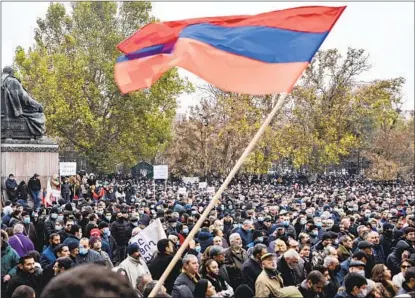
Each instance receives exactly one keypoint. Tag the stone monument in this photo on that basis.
(25, 150)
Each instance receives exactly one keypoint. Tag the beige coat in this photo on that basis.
(266, 286)
(134, 269)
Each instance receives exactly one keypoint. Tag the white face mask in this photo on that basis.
(363, 293)
(361, 272)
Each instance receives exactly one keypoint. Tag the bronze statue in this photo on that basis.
(21, 116)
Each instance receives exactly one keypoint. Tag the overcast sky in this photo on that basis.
(384, 29)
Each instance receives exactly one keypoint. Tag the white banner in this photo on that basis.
(182, 191)
(147, 239)
(67, 168)
(211, 190)
(202, 185)
(161, 172)
(190, 180)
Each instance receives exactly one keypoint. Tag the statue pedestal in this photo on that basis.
(23, 158)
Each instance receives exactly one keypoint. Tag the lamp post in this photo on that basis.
(205, 123)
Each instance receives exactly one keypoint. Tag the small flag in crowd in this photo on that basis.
(258, 54)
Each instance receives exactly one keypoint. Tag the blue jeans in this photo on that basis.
(36, 199)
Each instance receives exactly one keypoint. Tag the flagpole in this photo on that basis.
(239, 163)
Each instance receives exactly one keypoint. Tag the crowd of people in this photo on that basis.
(333, 237)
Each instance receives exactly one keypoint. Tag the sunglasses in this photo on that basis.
(405, 267)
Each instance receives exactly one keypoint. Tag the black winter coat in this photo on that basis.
(34, 184)
(66, 188)
(11, 186)
(23, 278)
(183, 287)
(290, 276)
(159, 264)
(49, 228)
(393, 261)
(250, 271)
(119, 230)
(22, 192)
(307, 293)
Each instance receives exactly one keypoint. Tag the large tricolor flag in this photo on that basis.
(252, 54)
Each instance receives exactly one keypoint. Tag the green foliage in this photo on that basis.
(391, 151)
(214, 136)
(70, 70)
(332, 112)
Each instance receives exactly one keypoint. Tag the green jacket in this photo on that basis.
(9, 260)
(343, 253)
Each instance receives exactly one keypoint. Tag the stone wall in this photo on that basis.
(25, 158)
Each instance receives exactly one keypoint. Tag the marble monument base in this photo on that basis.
(24, 158)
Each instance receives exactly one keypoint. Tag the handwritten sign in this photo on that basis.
(147, 239)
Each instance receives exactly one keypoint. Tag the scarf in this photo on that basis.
(272, 273)
(195, 278)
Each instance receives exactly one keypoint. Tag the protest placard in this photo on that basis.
(147, 239)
